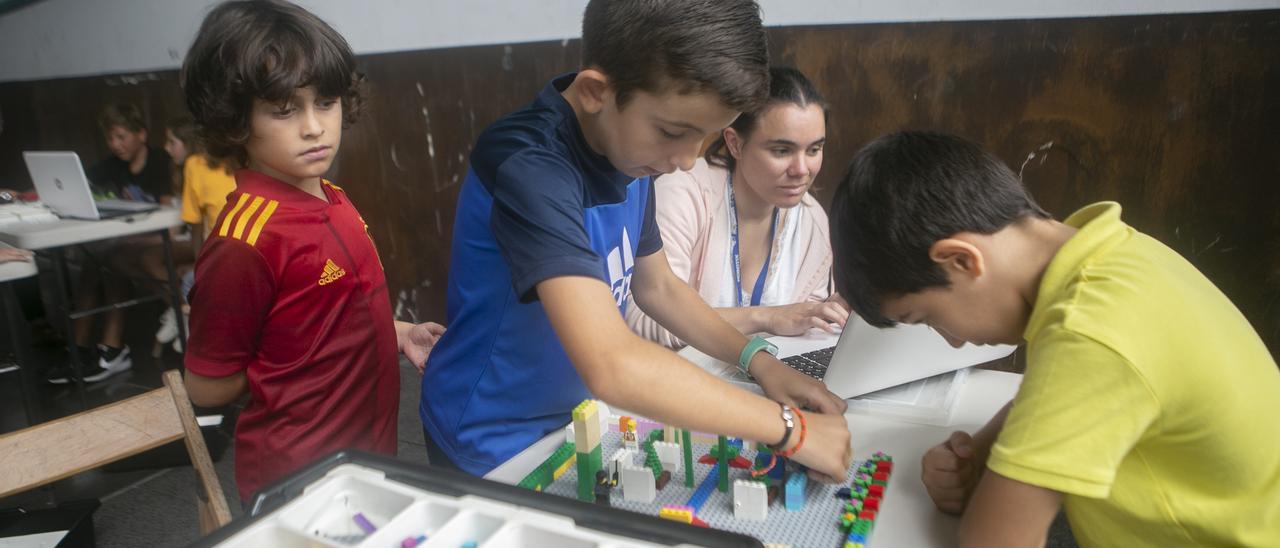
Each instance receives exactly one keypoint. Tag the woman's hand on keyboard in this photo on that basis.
(794, 319)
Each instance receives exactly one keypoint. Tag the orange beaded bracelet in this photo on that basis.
(803, 430)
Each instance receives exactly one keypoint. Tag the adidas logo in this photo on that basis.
(331, 273)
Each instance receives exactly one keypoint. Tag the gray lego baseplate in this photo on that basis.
(817, 524)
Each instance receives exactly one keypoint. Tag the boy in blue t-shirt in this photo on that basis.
(555, 226)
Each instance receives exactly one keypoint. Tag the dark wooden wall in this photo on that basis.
(1172, 115)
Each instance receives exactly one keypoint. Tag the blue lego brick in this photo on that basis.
(704, 489)
(793, 497)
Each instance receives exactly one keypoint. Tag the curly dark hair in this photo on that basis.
(684, 45)
(262, 49)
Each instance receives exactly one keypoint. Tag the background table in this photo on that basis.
(56, 236)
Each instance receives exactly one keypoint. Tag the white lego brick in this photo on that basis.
(568, 435)
(750, 500)
(637, 484)
(670, 455)
(620, 458)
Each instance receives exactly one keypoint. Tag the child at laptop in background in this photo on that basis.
(290, 301)
(134, 171)
(1149, 405)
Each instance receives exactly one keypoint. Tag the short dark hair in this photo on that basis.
(786, 86)
(903, 193)
(686, 45)
(262, 49)
(125, 115)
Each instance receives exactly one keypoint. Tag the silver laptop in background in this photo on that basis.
(62, 185)
(867, 358)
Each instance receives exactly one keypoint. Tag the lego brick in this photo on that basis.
(704, 489)
(663, 479)
(683, 514)
(750, 500)
(686, 447)
(588, 464)
(637, 483)
(586, 426)
(668, 454)
(793, 495)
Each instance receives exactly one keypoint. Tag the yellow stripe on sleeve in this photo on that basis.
(244, 217)
(226, 221)
(261, 222)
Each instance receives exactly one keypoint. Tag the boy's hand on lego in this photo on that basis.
(416, 341)
(784, 384)
(950, 472)
(794, 319)
(826, 450)
(10, 254)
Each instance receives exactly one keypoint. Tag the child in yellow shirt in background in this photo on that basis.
(205, 183)
(1150, 408)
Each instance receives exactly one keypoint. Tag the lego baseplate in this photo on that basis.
(817, 524)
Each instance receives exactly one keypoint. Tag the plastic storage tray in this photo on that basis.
(395, 500)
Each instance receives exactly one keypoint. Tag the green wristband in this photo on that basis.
(754, 345)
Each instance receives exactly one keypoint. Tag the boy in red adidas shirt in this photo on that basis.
(290, 302)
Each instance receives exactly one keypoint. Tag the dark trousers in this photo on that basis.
(435, 455)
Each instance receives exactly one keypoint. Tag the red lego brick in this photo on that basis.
(871, 503)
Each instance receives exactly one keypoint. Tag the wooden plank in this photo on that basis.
(58, 449)
(212, 503)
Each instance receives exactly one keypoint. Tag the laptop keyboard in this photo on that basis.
(813, 364)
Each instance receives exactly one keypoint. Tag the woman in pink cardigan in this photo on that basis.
(741, 227)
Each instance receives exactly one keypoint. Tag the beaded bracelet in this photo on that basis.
(803, 430)
(774, 454)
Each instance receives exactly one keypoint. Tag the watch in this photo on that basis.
(754, 345)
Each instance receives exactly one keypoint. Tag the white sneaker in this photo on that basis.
(110, 362)
(168, 327)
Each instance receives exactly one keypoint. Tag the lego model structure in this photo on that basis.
(716, 487)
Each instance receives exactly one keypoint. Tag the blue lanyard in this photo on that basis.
(758, 291)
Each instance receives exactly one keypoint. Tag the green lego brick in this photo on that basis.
(588, 464)
(687, 441)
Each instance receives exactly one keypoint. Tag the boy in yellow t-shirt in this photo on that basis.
(1150, 408)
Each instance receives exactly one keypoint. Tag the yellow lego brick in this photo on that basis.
(673, 514)
(563, 468)
(586, 426)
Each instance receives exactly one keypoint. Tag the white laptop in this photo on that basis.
(62, 185)
(868, 359)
